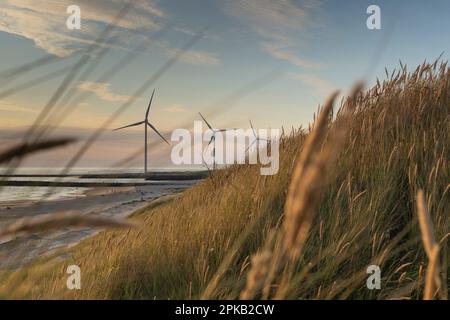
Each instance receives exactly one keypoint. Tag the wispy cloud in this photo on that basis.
(191, 56)
(8, 106)
(278, 14)
(44, 21)
(176, 109)
(278, 23)
(322, 86)
(283, 52)
(110, 148)
(102, 91)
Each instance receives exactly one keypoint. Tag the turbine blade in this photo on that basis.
(205, 164)
(148, 108)
(212, 139)
(130, 125)
(224, 130)
(209, 126)
(159, 134)
(251, 125)
(251, 144)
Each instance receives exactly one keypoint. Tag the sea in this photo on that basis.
(12, 195)
(24, 202)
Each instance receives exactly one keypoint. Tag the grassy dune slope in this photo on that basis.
(200, 244)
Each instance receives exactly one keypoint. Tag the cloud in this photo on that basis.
(176, 109)
(44, 22)
(102, 91)
(191, 56)
(199, 57)
(319, 84)
(278, 14)
(282, 52)
(12, 107)
(278, 23)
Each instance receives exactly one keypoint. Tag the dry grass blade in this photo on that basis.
(33, 82)
(76, 69)
(52, 222)
(161, 71)
(256, 276)
(24, 149)
(433, 281)
(426, 226)
(306, 179)
(307, 183)
(67, 106)
(95, 135)
(227, 261)
(15, 71)
(395, 142)
(309, 175)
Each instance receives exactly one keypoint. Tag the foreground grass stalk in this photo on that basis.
(433, 285)
(354, 210)
(307, 183)
(58, 221)
(25, 149)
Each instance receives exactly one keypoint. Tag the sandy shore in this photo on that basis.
(118, 202)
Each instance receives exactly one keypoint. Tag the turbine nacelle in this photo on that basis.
(213, 137)
(257, 138)
(145, 121)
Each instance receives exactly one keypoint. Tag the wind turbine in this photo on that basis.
(213, 138)
(146, 123)
(257, 138)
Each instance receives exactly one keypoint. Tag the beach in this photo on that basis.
(118, 202)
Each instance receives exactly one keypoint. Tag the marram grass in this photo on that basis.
(235, 236)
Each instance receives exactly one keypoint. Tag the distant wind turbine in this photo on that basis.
(257, 138)
(213, 138)
(146, 123)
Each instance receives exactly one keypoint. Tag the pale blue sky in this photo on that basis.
(313, 46)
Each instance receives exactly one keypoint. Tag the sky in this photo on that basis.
(269, 61)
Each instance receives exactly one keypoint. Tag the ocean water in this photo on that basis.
(13, 195)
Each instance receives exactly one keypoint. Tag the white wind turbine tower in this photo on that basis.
(146, 124)
(257, 138)
(213, 138)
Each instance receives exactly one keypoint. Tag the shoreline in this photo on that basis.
(93, 191)
(155, 176)
(112, 202)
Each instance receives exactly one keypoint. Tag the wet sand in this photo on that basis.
(117, 202)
